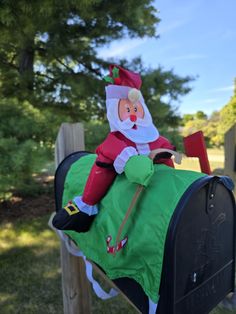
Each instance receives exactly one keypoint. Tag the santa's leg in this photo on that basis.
(80, 212)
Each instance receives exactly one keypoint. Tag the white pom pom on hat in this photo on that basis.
(134, 95)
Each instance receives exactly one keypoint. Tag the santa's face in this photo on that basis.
(130, 110)
(131, 118)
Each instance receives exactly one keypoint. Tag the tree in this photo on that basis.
(48, 48)
(214, 127)
(211, 130)
(220, 122)
(193, 126)
(187, 117)
(201, 115)
(25, 143)
(48, 60)
(48, 51)
(228, 115)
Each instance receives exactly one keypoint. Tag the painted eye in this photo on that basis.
(135, 109)
(128, 109)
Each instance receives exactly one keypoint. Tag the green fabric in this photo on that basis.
(141, 259)
(139, 169)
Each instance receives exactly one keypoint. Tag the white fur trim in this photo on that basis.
(143, 149)
(123, 157)
(117, 92)
(85, 208)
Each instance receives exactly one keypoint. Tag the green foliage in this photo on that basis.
(95, 133)
(214, 139)
(48, 53)
(187, 117)
(50, 73)
(174, 136)
(201, 115)
(220, 122)
(214, 127)
(193, 126)
(26, 138)
(228, 116)
(18, 161)
(49, 48)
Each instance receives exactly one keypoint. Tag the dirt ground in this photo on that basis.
(27, 207)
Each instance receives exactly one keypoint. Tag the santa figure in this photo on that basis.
(133, 136)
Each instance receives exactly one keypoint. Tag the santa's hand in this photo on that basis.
(139, 169)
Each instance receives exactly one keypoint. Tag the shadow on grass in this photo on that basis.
(30, 274)
(30, 281)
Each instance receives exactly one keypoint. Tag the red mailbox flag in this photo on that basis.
(195, 146)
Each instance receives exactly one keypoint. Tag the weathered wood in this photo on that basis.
(70, 139)
(75, 286)
(230, 154)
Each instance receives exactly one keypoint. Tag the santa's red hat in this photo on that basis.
(123, 83)
(122, 77)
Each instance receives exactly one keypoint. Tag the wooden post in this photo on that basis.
(75, 286)
(230, 154)
(230, 170)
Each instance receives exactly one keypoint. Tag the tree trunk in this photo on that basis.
(26, 66)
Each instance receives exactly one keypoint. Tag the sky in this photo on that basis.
(197, 38)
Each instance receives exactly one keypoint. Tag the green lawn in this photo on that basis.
(216, 160)
(30, 274)
(29, 268)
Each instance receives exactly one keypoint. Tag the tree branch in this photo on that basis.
(12, 65)
(40, 49)
(66, 66)
(95, 71)
(46, 76)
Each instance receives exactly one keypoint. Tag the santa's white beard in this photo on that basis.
(144, 132)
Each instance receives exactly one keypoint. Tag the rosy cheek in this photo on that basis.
(140, 112)
(124, 115)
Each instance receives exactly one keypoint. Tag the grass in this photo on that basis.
(216, 160)
(30, 273)
(29, 268)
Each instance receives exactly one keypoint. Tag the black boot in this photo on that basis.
(71, 218)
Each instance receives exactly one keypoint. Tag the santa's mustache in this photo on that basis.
(128, 124)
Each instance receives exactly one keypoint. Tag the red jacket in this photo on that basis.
(100, 179)
(116, 142)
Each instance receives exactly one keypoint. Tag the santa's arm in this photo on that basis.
(115, 152)
(163, 158)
